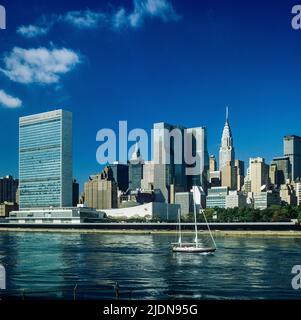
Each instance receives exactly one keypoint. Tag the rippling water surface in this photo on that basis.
(50, 265)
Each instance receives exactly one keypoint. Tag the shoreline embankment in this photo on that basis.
(281, 229)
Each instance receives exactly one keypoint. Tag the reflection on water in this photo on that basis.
(51, 264)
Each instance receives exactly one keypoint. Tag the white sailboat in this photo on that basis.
(196, 246)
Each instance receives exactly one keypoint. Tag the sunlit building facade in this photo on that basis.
(45, 160)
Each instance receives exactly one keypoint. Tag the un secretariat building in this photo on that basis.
(45, 160)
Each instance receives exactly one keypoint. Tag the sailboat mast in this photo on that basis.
(195, 222)
(209, 228)
(180, 230)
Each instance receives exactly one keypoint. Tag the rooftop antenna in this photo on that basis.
(227, 114)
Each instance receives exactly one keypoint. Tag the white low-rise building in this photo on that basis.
(151, 210)
(73, 215)
(236, 199)
(266, 199)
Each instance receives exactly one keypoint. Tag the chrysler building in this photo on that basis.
(226, 152)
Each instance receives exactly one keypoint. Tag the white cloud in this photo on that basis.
(32, 31)
(9, 101)
(143, 9)
(118, 19)
(39, 65)
(80, 19)
(83, 19)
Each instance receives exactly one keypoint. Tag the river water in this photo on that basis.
(106, 266)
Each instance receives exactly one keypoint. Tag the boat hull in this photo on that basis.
(192, 249)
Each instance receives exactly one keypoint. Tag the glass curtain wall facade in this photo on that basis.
(174, 144)
(45, 160)
(292, 149)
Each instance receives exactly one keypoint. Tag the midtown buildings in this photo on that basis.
(175, 170)
(121, 175)
(75, 193)
(236, 199)
(45, 160)
(282, 168)
(231, 170)
(259, 175)
(72, 215)
(266, 199)
(212, 164)
(6, 208)
(8, 189)
(226, 152)
(169, 171)
(217, 197)
(240, 174)
(292, 149)
(147, 183)
(185, 200)
(180, 161)
(229, 176)
(101, 191)
(135, 170)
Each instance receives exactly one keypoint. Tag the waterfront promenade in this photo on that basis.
(268, 228)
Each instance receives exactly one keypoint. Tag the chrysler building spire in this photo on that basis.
(226, 152)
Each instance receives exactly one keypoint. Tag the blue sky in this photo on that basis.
(148, 61)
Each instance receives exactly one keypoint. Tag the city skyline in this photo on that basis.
(130, 145)
(226, 137)
(181, 67)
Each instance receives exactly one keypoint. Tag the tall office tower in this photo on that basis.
(259, 175)
(292, 149)
(45, 160)
(215, 179)
(283, 170)
(175, 170)
(147, 183)
(247, 182)
(121, 175)
(135, 170)
(101, 191)
(288, 194)
(240, 170)
(273, 174)
(298, 193)
(8, 189)
(167, 148)
(75, 193)
(226, 152)
(195, 150)
(229, 176)
(212, 164)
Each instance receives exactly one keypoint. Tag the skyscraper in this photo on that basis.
(101, 191)
(226, 152)
(75, 193)
(121, 175)
(259, 175)
(135, 170)
(147, 183)
(283, 170)
(229, 176)
(8, 189)
(200, 174)
(212, 163)
(240, 170)
(166, 172)
(292, 149)
(45, 160)
(173, 149)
